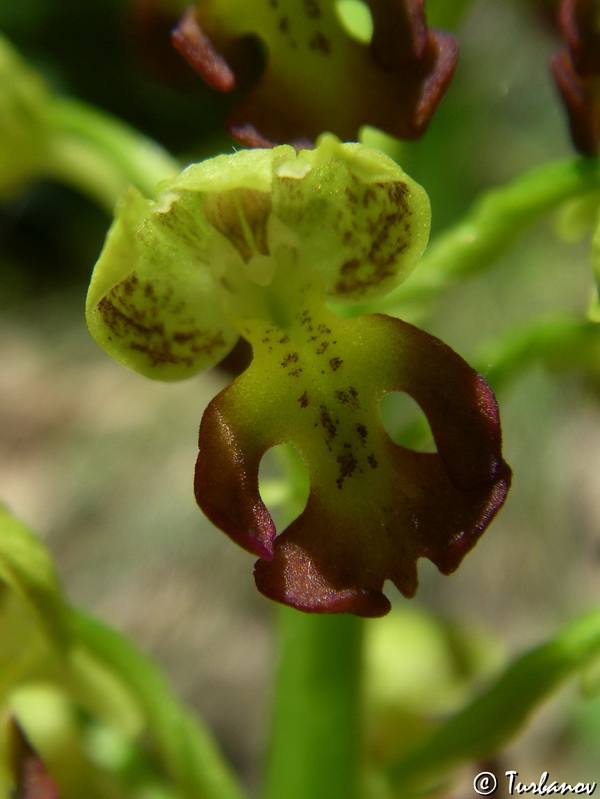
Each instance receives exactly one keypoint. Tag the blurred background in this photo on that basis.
(99, 461)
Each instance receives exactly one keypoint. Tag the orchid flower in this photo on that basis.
(390, 72)
(259, 244)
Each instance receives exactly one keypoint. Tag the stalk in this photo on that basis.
(316, 734)
(100, 156)
(316, 741)
(492, 225)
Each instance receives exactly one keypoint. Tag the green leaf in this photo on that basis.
(183, 745)
(26, 568)
(96, 669)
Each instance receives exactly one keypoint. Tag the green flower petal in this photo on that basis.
(151, 303)
(228, 242)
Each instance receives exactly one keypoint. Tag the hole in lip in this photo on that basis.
(356, 19)
(405, 422)
(283, 483)
(248, 57)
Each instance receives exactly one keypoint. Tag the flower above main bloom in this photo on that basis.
(275, 53)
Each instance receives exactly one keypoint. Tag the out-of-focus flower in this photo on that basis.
(300, 72)
(254, 245)
(576, 70)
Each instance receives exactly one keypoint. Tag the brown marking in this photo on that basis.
(363, 432)
(320, 43)
(327, 423)
(348, 464)
(128, 286)
(348, 396)
(224, 210)
(312, 9)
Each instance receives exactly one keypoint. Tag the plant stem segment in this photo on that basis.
(316, 735)
(100, 156)
(491, 227)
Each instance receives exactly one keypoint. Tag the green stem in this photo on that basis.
(316, 735)
(101, 156)
(491, 227)
(558, 343)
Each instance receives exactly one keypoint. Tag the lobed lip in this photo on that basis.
(374, 507)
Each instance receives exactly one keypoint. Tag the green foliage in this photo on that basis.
(94, 709)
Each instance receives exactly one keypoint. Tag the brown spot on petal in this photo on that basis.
(320, 43)
(328, 424)
(139, 327)
(290, 358)
(241, 216)
(347, 463)
(348, 396)
(312, 8)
